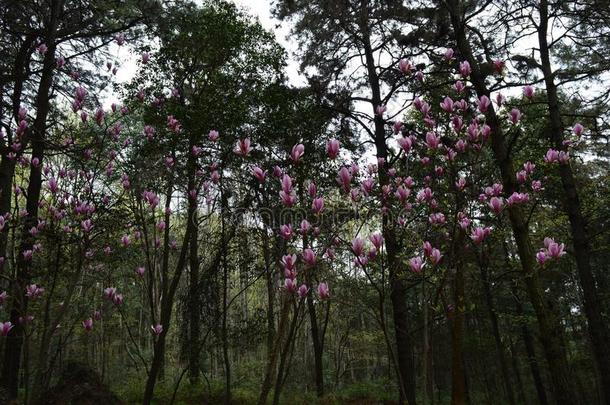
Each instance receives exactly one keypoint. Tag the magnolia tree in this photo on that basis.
(107, 226)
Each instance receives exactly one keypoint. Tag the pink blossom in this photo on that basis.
(332, 148)
(405, 66)
(5, 328)
(156, 329)
(259, 174)
(528, 91)
(484, 103)
(303, 291)
(358, 246)
(478, 235)
(416, 264)
(323, 291)
(309, 257)
(317, 205)
(88, 324)
(496, 204)
(465, 69)
(290, 285)
(242, 147)
(297, 152)
(447, 105)
(286, 231)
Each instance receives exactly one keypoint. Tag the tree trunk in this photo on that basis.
(194, 303)
(458, 374)
(496, 333)
(598, 330)
(551, 330)
(14, 341)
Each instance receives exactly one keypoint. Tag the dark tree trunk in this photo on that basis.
(551, 330)
(458, 373)
(14, 342)
(194, 303)
(398, 295)
(530, 350)
(598, 330)
(493, 317)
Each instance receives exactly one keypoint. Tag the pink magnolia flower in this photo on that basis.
(312, 189)
(541, 256)
(551, 156)
(5, 328)
(536, 185)
(259, 174)
(156, 329)
(435, 256)
(213, 135)
(405, 66)
(88, 324)
(529, 167)
(515, 115)
(377, 240)
(397, 127)
(309, 257)
(405, 144)
(498, 66)
(496, 204)
(459, 87)
(323, 291)
(332, 148)
(484, 103)
(447, 105)
(344, 178)
(554, 250)
(448, 55)
(317, 205)
(578, 129)
(286, 231)
(242, 147)
(305, 227)
(303, 291)
(86, 225)
(140, 270)
(478, 235)
(290, 285)
(380, 110)
(465, 69)
(117, 299)
(528, 91)
(109, 292)
(145, 57)
(125, 241)
(432, 140)
(416, 264)
(33, 291)
(297, 152)
(358, 246)
(521, 176)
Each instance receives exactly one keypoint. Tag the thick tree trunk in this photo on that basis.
(14, 341)
(551, 330)
(598, 329)
(194, 303)
(270, 371)
(398, 295)
(458, 374)
(493, 318)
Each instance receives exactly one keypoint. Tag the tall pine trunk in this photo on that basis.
(551, 329)
(598, 329)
